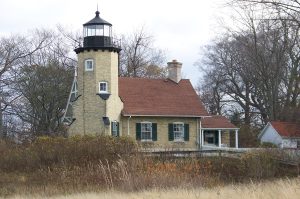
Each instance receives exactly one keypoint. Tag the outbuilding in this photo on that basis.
(282, 134)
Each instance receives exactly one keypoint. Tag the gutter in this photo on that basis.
(220, 128)
(191, 116)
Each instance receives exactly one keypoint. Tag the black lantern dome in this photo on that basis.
(97, 34)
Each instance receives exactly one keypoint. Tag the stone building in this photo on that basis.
(161, 113)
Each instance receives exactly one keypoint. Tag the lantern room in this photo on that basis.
(97, 34)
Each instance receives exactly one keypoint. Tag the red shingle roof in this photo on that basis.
(217, 121)
(286, 129)
(159, 97)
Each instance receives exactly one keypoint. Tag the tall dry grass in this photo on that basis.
(280, 189)
(58, 166)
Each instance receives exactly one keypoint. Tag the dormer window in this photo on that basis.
(103, 87)
(89, 65)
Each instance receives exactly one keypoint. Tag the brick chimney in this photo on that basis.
(174, 70)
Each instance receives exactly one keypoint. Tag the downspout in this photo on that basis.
(83, 100)
(200, 133)
(197, 132)
(128, 125)
(105, 115)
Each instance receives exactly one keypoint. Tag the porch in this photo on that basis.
(218, 132)
(220, 138)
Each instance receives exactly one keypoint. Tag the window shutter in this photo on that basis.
(118, 129)
(154, 132)
(171, 133)
(138, 131)
(186, 132)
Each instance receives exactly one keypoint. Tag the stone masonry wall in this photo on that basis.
(90, 108)
(162, 131)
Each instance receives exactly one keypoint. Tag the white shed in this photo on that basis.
(282, 134)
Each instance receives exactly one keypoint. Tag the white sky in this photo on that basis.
(179, 27)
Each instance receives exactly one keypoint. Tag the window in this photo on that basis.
(178, 129)
(89, 65)
(146, 131)
(106, 31)
(103, 87)
(99, 30)
(115, 129)
(178, 132)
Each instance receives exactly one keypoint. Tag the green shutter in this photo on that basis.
(154, 132)
(171, 133)
(186, 132)
(118, 129)
(138, 131)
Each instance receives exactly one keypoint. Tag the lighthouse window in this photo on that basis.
(89, 65)
(90, 31)
(103, 88)
(106, 31)
(99, 30)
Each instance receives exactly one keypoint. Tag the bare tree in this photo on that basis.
(276, 9)
(44, 91)
(285, 15)
(36, 75)
(211, 91)
(12, 50)
(139, 58)
(250, 67)
(44, 82)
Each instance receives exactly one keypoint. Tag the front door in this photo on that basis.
(211, 137)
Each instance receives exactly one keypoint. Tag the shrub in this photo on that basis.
(49, 152)
(260, 164)
(268, 145)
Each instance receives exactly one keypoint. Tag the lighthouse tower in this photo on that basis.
(94, 105)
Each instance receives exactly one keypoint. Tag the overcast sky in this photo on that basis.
(179, 27)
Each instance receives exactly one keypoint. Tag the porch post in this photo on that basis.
(236, 139)
(220, 138)
(202, 138)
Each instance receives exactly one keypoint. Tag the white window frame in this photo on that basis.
(86, 65)
(178, 130)
(146, 127)
(106, 86)
(114, 126)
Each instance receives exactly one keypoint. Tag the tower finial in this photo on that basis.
(97, 12)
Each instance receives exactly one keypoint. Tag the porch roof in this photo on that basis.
(216, 122)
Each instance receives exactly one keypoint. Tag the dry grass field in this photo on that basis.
(281, 189)
(106, 167)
